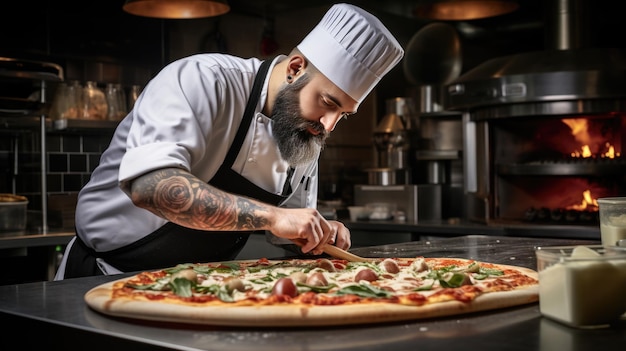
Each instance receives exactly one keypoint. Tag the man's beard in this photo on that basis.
(296, 144)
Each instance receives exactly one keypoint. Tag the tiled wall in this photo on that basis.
(71, 157)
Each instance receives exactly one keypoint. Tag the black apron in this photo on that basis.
(173, 244)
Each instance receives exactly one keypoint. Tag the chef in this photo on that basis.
(217, 147)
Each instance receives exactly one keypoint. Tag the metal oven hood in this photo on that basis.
(568, 78)
(543, 83)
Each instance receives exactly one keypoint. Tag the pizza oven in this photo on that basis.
(544, 133)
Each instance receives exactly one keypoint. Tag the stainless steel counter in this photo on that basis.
(53, 314)
(11, 241)
(464, 227)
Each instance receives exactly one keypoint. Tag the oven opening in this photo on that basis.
(552, 170)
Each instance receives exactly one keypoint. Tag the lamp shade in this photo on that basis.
(460, 10)
(176, 9)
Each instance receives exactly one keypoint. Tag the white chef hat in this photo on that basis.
(352, 48)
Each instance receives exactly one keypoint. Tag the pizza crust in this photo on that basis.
(294, 315)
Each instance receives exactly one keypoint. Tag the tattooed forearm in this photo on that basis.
(179, 197)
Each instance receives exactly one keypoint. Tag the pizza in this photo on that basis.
(315, 291)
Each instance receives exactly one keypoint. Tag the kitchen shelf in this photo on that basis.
(608, 167)
(83, 125)
(13, 124)
(37, 74)
(31, 123)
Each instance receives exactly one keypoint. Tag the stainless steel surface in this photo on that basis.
(441, 131)
(21, 240)
(58, 314)
(585, 80)
(391, 135)
(433, 55)
(417, 201)
(459, 226)
(83, 124)
(388, 176)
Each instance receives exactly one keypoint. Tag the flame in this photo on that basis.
(587, 201)
(610, 152)
(580, 131)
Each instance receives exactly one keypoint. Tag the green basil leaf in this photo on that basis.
(454, 281)
(363, 290)
(490, 271)
(182, 287)
(317, 289)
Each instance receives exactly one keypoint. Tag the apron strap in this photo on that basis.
(248, 113)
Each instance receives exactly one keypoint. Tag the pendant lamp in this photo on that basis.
(176, 9)
(462, 10)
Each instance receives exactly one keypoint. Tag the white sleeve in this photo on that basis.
(172, 119)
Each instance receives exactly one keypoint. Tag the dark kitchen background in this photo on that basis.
(97, 41)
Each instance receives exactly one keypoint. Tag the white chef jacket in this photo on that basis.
(186, 117)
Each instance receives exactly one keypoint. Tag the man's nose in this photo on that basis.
(330, 120)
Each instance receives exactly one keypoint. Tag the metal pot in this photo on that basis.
(13, 213)
(388, 176)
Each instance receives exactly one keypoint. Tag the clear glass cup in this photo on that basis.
(612, 212)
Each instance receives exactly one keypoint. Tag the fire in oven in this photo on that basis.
(552, 170)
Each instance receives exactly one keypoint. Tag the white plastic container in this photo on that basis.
(582, 286)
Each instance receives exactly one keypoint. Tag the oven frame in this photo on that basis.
(480, 174)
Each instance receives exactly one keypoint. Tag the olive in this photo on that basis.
(366, 274)
(285, 286)
(326, 264)
(317, 279)
(188, 274)
(390, 266)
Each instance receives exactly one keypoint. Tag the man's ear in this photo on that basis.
(297, 63)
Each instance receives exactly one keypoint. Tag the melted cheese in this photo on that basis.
(411, 278)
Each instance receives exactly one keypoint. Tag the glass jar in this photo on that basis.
(135, 90)
(66, 102)
(116, 100)
(94, 102)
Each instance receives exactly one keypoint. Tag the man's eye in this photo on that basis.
(344, 116)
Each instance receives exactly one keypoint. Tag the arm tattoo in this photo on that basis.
(180, 197)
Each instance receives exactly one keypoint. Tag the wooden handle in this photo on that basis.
(344, 255)
(336, 252)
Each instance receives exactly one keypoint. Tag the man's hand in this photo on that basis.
(342, 238)
(308, 228)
